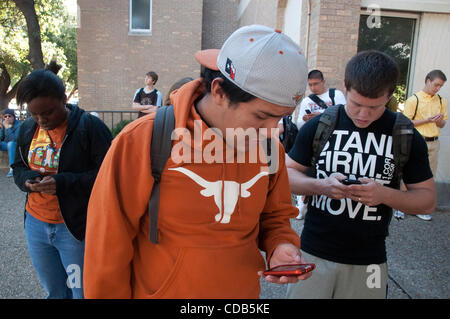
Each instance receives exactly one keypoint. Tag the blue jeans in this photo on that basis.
(57, 257)
(10, 147)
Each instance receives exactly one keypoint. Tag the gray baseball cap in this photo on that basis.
(263, 62)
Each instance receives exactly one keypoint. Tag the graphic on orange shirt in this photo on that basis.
(44, 154)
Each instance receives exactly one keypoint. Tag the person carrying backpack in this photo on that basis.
(318, 101)
(356, 156)
(148, 99)
(195, 229)
(428, 111)
(320, 98)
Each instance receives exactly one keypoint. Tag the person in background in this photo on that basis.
(147, 99)
(9, 129)
(59, 151)
(320, 98)
(176, 86)
(428, 111)
(318, 101)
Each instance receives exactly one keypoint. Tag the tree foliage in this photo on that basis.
(57, 40)
(394, 37)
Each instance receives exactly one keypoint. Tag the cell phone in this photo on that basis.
(290, 270)
(31, 181)
(308, 111)
(348, 181)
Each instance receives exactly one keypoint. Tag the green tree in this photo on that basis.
(394, 37)
(32, 32)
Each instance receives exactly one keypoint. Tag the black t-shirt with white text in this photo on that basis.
(346, 231)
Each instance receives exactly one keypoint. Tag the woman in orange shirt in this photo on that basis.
(60, 149)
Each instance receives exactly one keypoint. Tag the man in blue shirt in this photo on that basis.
(9, 128)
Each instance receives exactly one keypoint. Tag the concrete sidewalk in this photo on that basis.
(418, 254)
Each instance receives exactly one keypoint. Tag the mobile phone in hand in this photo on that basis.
(308, 111)
(290, 270)
(349, 181)
(31, 181)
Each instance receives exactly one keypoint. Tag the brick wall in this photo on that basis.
(333, 37)
(219, 21)
(112, 64)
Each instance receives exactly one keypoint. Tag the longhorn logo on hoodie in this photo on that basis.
(232, 192)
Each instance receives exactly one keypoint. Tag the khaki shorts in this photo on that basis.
(332, 280)
(433, 151)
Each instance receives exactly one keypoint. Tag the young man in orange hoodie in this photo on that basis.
(216, 211)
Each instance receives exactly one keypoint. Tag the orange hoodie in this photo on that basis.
(209, 235)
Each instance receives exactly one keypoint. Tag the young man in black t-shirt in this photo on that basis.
(147, 99)
(346, 225)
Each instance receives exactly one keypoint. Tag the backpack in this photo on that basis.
(417, 105)
(160, 151)
(321, 103)
(289, 133)
(402, 135)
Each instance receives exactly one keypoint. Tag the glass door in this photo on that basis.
(395, 37)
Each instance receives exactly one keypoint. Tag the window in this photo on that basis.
(395, 37)
(140, 16)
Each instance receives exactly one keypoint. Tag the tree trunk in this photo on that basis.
(34, 33)
(72, 92)
(5, 81)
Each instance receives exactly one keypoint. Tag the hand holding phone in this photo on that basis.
(31, 181)
(307, 111)
(290, 270)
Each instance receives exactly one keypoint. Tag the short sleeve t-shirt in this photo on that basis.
(346, 231)
(154, 97)
(308, 105)
(43, 156)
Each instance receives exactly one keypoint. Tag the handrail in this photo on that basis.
(109, 117)
(130, 115)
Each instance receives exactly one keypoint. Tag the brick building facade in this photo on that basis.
(112, 60)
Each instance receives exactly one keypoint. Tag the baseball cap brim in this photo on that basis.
(208, 58)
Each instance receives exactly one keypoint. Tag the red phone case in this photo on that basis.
(290, 270)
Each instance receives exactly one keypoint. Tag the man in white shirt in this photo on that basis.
(319, 99)
(313, 105)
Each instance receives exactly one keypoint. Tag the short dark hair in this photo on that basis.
(40, 83)
(176, 86)
(234, 93)
(315, 74)
(435, 74)
(371, 73)
(153, 75)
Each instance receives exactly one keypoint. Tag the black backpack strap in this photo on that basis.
(318, 101)
(402, 135)
(325, 128)
(332, 93)
(160, 150)
(417, 105)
